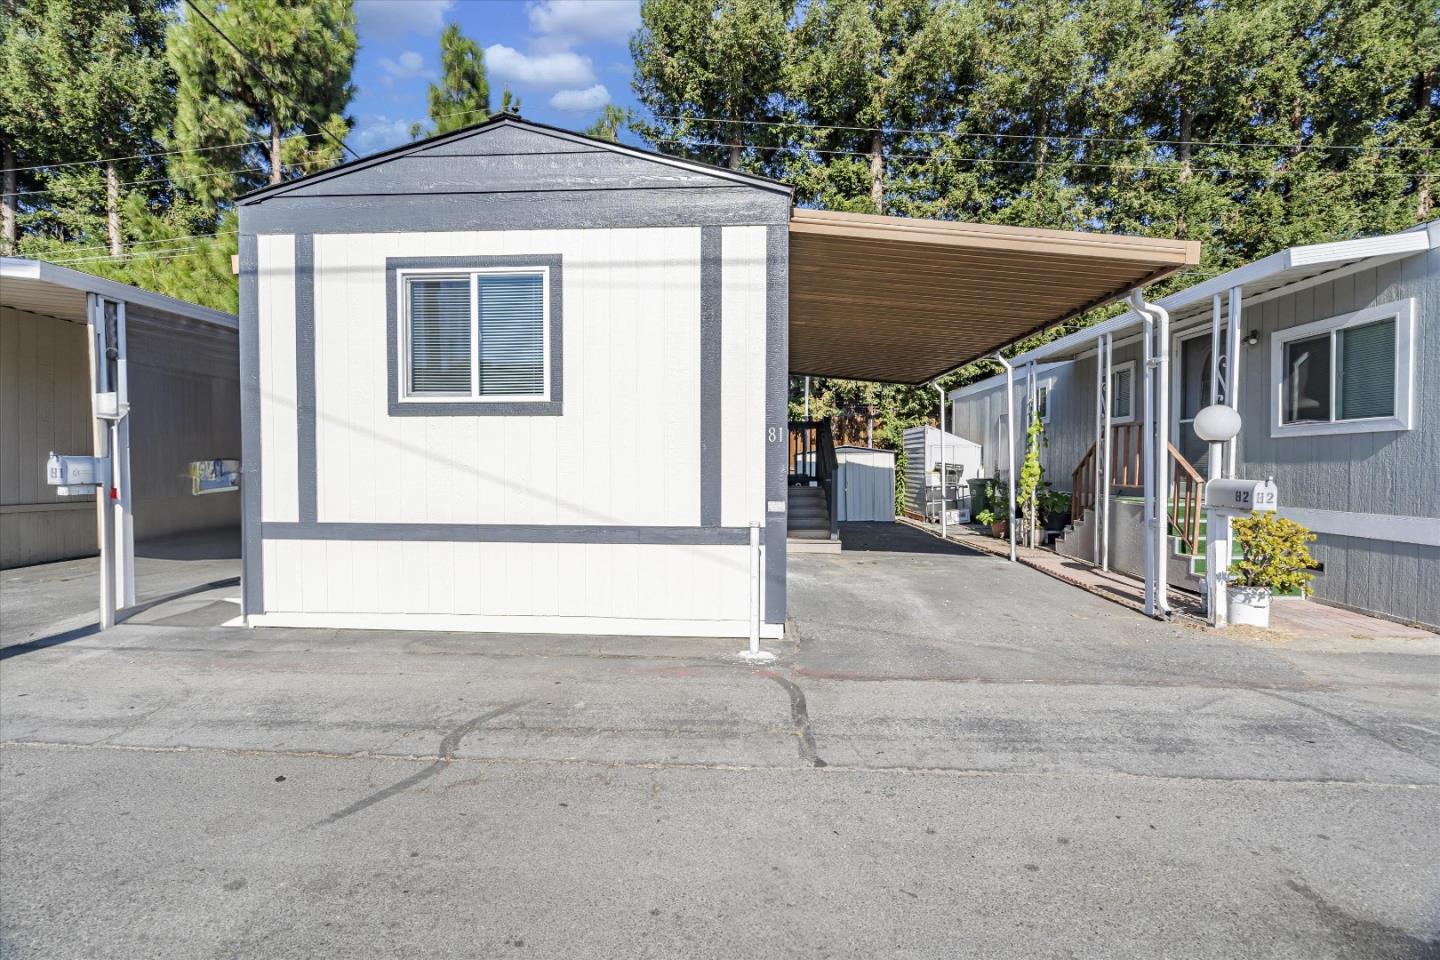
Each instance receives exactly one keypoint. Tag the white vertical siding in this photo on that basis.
(742, 377)
(278, 492)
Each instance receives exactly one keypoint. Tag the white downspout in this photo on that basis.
(1232, 373)
(1105, 439)
(1010, 444)
(1099, 428)
(1157, 384)
(944, 527)
(1031, 409)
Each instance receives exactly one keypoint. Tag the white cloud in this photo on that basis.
(581, 101)
(560, 69)
(374, 132)
(408, 64)
(561, 24)
(389, 18)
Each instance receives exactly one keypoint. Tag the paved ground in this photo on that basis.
(957, 758)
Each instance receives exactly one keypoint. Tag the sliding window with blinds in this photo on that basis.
(479, 335)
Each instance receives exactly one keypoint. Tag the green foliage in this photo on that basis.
(716, 59)
(900, 482)
(223, 105)
(462, 97)
(1274, 553)
(609, 124)
(81, 80)
(1031, 474)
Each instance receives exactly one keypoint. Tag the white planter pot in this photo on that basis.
(1249, 606)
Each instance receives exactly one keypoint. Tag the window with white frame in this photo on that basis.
(1122, 392)
(475, 335)
(1042, 400)
(1346, 374)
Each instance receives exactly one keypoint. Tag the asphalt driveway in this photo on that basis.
(953, 757)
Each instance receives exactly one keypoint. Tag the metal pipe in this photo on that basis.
(1031, 412)
(944, 528)
(1106, 438)
(1099, 433)
(1232, 373)
(1157, 413)
(1010, 444)
(807, 398)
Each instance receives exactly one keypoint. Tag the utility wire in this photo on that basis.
(941, 155)
(140, 183)
(154, 156)
(266, 77)
(1036, 136)
(145, 243)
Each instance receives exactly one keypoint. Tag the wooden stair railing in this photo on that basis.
(1127, 472)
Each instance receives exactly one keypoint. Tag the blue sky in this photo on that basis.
(565, 59)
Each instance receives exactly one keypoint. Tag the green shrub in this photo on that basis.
(1274, 553)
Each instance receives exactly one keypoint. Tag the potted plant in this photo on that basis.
(1055, 506)
(993, 513)
(1274, 558)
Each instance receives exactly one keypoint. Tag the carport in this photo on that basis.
(89, 366)
(900, 300)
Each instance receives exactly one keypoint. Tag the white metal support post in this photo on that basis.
(1032, 410)
(1104, 491)
(1009, 445)
(1157, 451)
(1232, 373)
(944, 522)
(123, 496)
(100, 435)
(1099, 429)
(753, 654)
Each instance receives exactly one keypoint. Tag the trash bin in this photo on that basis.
(978, 486)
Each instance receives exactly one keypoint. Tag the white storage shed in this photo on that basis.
(515, 379)
(925, 449)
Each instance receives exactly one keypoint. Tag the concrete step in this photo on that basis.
(794, 546)
(808, 533)
(806, 495)
(818, 514)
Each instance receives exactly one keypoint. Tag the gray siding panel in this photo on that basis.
(579, 209)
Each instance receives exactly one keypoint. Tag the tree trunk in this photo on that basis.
(8, 233)
(1187, 132)
(1424, 199)
(112, 209)
(276, 173)
(877, 171)
(734, 163)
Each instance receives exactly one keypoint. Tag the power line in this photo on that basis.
(154, 156)
(266, 77)
(145, 243)
(167, 253)
(140, 183)
(1036, 136)
(941, 155)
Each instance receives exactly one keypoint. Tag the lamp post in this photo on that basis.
(1217, 425)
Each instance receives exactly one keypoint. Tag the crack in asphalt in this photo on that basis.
(448, 746)
(800, 717)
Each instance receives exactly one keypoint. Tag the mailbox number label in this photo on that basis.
(1263, 497)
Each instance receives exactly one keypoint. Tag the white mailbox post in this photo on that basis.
(1225, 499)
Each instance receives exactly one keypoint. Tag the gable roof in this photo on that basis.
(517, 137)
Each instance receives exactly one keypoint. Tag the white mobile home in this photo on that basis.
(514, 379)
(1337, 380)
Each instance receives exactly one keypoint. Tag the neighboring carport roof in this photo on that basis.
(904, 300)
(55, 291)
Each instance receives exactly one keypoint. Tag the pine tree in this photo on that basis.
(80, 80)
(462, 97)
(240, 130)
(708, 70)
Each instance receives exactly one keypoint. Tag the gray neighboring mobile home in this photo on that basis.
(1338, 389)
(515, 379)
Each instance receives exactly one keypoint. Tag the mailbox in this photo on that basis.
(76, 476)
(1241, 496)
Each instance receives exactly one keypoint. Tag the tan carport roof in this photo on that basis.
(903, 300)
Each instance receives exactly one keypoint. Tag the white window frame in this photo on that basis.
(1403, 313)
(1115, 369)
(1048, 385)
(402, 333)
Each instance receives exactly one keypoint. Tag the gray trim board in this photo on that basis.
(538, 408)
(439, 212)
(777, 434)
(711, 297)
(305, 375)
(510, 533)
(252, 582)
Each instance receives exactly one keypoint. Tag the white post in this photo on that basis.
(754, 589)
(124, 502)
(1148, 467)
(100, 434)
(1232, 373)
(1031, 409)
(944, 525)
(1099, 428)
(1162, 458)
(1216, 345)
(1105, 438)
(1217, 549)
(1010, 445)
(807, 398)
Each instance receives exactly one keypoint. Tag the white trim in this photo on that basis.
(402, 334)
(998, 380)
(1403, 312)
(1048, 385)
(494, 623)
(1177, 395)
(1367, 526)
